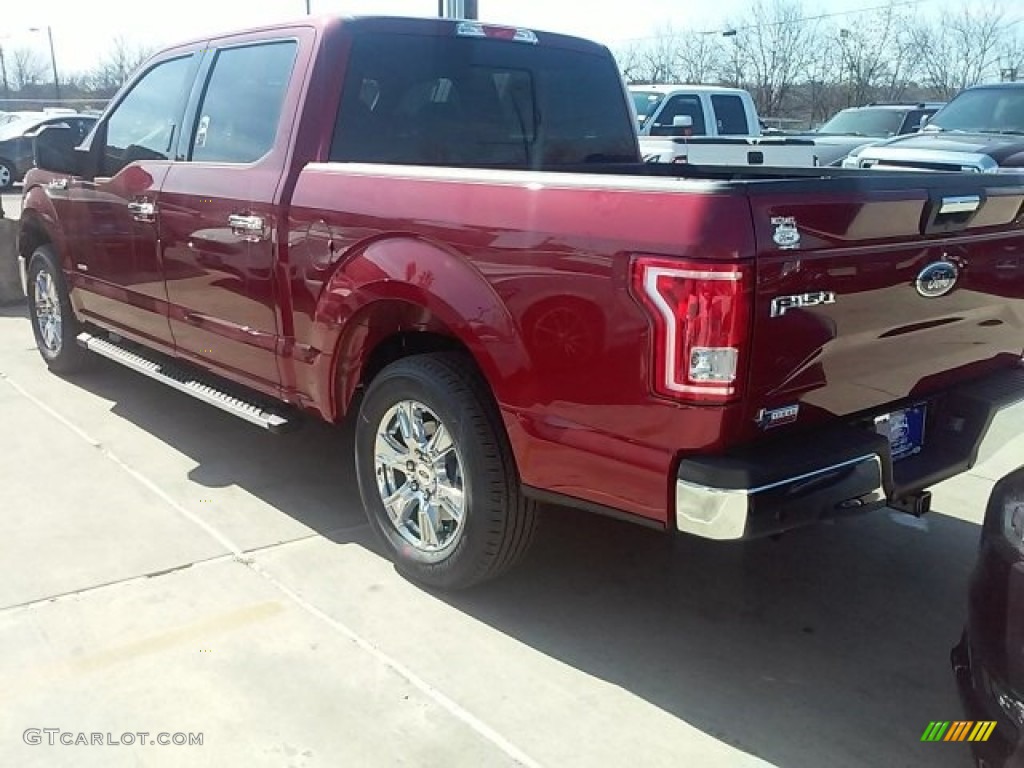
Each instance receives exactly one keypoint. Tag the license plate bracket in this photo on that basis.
(904, 430)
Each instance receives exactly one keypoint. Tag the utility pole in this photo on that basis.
(3, 71)
(53, 59)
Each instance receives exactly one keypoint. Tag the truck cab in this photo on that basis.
(713, 110)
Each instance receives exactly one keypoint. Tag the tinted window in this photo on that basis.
(238, 117)
(680, 104)
(142, 127)
(912, 122)
(983, 110)
(462, 101)
(877, 122)
(730, 116)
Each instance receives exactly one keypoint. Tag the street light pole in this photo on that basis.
(3, 72)
(53, 59)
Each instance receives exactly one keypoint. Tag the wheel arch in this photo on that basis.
(403, 296)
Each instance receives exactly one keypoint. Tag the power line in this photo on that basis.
(729, 31)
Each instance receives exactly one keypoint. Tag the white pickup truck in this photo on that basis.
(710, 125)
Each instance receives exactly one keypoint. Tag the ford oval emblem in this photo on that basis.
(937, 279)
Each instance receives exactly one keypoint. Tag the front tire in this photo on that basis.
(436, 473)
(53, 321)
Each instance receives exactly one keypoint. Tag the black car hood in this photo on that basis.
(997, 146)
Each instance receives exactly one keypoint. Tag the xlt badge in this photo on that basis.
(782, 304)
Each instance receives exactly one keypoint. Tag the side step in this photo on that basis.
(191, 383)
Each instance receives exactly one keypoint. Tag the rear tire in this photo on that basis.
(53, 321)
(436, 473)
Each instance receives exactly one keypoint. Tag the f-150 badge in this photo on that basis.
(786, 236)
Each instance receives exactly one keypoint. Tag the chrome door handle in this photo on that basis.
(249, 228)
(962, 204)
(142, 211)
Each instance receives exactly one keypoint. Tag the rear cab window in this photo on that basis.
(448, 100)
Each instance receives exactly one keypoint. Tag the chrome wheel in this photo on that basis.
(6, 176)
(47, 310)
(419, 477)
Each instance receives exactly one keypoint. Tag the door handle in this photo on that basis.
(142, 210)
(963, 204)
(250, 228)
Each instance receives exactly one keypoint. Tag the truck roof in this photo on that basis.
(674, 88)
(329, 23)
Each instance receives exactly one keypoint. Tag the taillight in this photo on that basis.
(701, 318)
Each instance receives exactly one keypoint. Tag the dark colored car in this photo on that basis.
(16, 139)
(880, 121)
(981, 130)
(989, 661)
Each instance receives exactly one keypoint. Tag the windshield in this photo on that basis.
(983, 110)
(865, 122)
(646, 102)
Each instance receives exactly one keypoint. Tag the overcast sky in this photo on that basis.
(83, 29)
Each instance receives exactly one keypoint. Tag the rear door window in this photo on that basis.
(240, 111)
(730, 115)
(912, 122)
(429, 100)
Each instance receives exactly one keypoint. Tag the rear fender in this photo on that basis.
(403, 284)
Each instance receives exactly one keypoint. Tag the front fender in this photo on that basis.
(39, 221)
(399, 284)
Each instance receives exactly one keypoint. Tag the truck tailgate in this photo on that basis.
(872, 293)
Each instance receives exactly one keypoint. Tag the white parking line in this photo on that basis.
(439, 698)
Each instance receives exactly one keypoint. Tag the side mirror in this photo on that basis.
(53, 149)
(682, 125)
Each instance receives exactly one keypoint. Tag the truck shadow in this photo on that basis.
(826, 647)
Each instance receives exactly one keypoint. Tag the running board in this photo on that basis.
(179, 378)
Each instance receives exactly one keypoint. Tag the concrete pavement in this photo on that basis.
(165, 568)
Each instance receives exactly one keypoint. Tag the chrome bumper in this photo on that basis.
(847, 469)
(725, 513)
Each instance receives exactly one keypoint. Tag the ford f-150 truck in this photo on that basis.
(444, 231)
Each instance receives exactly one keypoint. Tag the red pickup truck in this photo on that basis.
(444, 230)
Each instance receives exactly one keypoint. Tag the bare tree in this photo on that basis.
(700, 58)
(654, 59)
(118, 65)
(821, 98)
(27, 68)
(875, 55)
(774, 50)
(963, 49)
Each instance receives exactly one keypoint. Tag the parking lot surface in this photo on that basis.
(169, 569)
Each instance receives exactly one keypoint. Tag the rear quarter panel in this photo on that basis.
(531, 272)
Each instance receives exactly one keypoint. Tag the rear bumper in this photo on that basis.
(773, 487)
